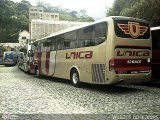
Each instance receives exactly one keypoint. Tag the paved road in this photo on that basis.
(23, 94)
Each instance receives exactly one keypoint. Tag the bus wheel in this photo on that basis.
(75, 78)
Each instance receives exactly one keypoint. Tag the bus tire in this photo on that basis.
(75, 78)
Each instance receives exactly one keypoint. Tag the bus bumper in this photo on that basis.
(134, 78)
(9, 63)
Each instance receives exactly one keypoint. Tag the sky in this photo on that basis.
(94, 8)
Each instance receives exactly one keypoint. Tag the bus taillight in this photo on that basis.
(111, 64)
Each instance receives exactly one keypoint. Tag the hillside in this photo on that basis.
(144, 9)
(14, 17)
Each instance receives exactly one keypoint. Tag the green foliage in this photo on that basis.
(13, 18)
(144, 9)
(66, 14)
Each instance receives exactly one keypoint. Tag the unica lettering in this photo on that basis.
(79, 55)
(132, 53)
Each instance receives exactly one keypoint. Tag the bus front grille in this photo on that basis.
(98, 73)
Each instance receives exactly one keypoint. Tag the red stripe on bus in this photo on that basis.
(134, 63)
(47, 61)
(130, 64)
(39, 55)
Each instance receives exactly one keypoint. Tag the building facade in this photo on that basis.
(10, 46)
(42, 28)
(24, 38)
(38, 13)
(42, 24)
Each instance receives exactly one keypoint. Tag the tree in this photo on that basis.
(13, 17)
(23, 5)
(74, 14)
(144, 9)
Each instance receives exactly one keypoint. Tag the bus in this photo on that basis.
(24, 58)
(155, 32)
(9, 58)
(113, 50)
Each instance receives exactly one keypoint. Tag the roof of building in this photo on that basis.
(56, 22)
(10, 44)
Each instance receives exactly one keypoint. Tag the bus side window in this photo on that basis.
(53, 44)
(46, 46)
(100, 33)
(42, 47)
(60, 42)
(86, 36)
(70, 40)
(39, 47)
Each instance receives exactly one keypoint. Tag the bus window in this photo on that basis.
(132, 29)
(53, 44)
(100, 33)
(86, 36)
(46, 46)
(60, 42)
(43, 49)
(39, 47)
(156, 39)
(70, 40)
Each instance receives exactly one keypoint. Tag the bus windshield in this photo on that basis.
(9, 55)
(132, 29)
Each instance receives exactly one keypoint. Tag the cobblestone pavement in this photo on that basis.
(25, 94)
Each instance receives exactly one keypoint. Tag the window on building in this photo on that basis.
(24, 38)
(52, 16)
(56, 16)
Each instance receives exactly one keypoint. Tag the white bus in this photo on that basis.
(109, 51)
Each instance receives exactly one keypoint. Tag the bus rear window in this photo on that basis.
(132, 29)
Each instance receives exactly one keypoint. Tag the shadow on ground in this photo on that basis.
(94, 87)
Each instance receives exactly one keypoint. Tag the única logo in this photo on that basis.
(133, 29)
